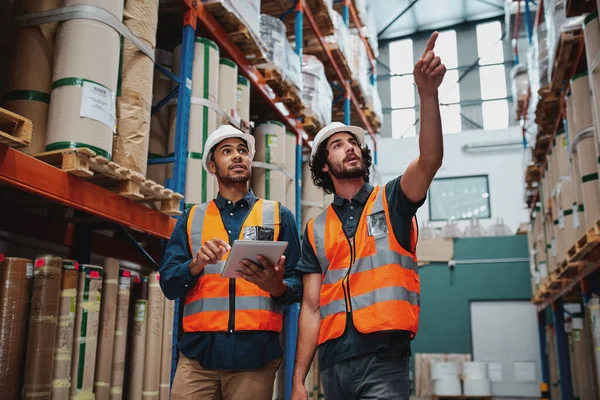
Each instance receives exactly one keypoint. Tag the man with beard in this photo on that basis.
(230, 348)
(360, 302)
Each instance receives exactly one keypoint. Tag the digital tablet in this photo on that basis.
(249, 249)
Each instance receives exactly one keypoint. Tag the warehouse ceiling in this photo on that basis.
(425, 15)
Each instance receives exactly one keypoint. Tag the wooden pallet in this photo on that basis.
(532, 175)
(566, 58)
(84, 163)
(587, 243)
(248, 42)
(576, 8)
(15, 130)
(320, 12)
(316, 50)
(287, 92)
(311, 125)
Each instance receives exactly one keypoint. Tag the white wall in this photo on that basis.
(504, 170)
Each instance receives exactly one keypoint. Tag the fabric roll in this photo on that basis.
(135, 101)
(120, 342)
(290, 166)
(84, 83)
(243, 98)
(310, 192)
(89, 290)
(106, 336)
(43, 316)
(166, 350)
(227, 100)
(63, 349)
(137, 346)
(586, 155)
(271, 149)
(581, 97)
(28, 90)
(154, 333)
(16, 279)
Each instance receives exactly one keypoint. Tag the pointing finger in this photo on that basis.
(431, 43)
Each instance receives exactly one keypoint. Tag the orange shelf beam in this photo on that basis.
(32, 175)
(338, 72)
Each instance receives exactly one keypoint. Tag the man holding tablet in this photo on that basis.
(360, 303)
(230, 348)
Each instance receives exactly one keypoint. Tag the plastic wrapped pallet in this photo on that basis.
(166, 350)
(359, 63)
(30, 81)
(293, 68)
(106, 334)
(41, 335)
(556, 24)
(89, 291)
(86, 70)
(273, 36)
(63, 349)
(341, 36)
(519, 86)
(16, 279)
(137, 346)
(317, 95)
(134, 103)
(154, 332)
(270, 148)
(120, 343)
(159, 124)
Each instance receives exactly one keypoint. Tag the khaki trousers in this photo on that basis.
(192, 382)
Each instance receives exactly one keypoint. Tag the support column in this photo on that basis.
(544, 388)
(562, 349)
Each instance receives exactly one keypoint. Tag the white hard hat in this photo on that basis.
(333, 128)
(222, 133)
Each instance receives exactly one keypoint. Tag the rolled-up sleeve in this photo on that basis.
(291, 277)
(175, 278)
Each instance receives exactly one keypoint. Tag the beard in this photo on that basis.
(228, 177)
(340, 171)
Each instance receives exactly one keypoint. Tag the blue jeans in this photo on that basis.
(371, 376)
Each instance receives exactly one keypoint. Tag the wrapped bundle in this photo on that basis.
(293, 68)
(273, 36)
(317, 95)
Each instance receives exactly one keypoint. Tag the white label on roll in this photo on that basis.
(561, 220)
(575, 216)
(98, 103)
(29, 272)
(124, 283)
(239, 95)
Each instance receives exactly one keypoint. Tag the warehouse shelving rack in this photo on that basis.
(31, 182)
(581, 281)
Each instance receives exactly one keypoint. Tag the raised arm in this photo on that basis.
(429, 73)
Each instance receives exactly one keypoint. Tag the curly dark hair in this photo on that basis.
(323, 179)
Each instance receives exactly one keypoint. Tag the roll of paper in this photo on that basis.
(119, 349)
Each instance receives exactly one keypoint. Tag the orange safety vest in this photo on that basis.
(370, 275)
(215, 304)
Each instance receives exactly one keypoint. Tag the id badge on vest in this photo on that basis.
(259, 233)
(376, 224)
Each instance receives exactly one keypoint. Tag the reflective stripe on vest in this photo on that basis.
(207, 305)
(374, 281)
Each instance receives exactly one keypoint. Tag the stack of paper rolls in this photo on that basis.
(271, 149)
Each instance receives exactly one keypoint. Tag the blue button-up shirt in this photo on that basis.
(238, 350)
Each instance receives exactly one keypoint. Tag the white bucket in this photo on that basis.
(477, 387)
(472, 370)
(447, 387)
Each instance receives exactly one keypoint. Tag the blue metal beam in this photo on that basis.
(167, 73)
(562, 349)
(544, 388)
(177, 183)
(161, 160)
(165, 100)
